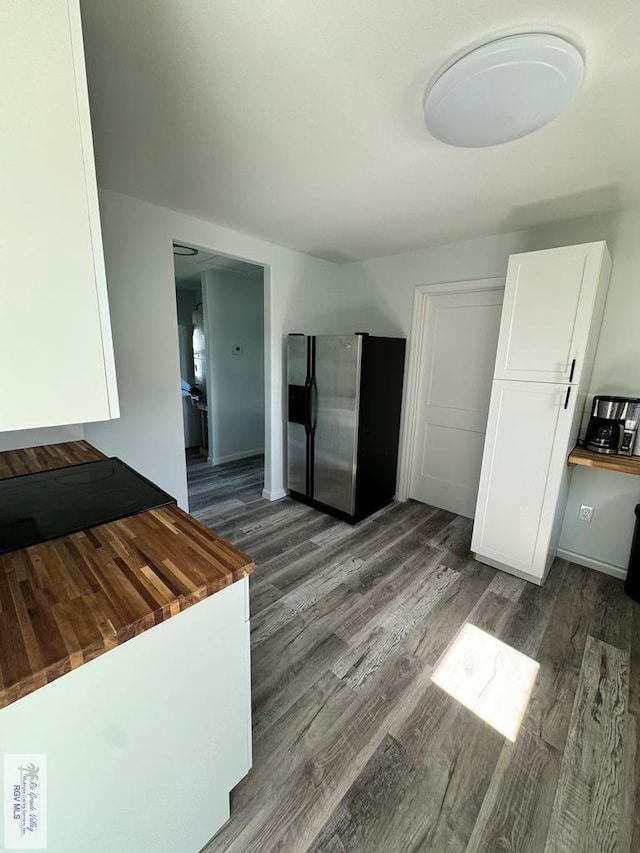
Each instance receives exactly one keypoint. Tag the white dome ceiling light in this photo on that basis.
(503, 90)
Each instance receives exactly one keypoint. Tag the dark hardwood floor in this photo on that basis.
(357, 749)
(215, 489)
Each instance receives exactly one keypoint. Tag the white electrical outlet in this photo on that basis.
(585, 513)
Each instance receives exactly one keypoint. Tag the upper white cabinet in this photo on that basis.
(56, 354)
(550, 300)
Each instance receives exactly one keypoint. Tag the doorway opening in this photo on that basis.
(221, 335)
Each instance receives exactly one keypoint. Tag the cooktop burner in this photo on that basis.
(37, 507)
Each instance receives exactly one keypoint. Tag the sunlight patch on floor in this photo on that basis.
(488, 677)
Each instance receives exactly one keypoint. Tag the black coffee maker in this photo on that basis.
(606, 427)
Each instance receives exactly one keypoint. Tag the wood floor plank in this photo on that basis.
(288, 567)
(588, 812)
(392, 558)
(299, 635)
(408, 583)
(395, 577)
(284, 747)
(634, 803)
(305, 554)
(283, 537)
(369, 539)
(455, 536)
(261, 515)
(491, 612)
(630, 818)
(262, 596)
(303, 597)
(454, 609)
(507, 586)
(353, 824)
(560, 657)
(273, 696)
(611, 620)
(528, 620)
(515, 814)
(246, 489)
(444, 794)
(392, 628)
(338, 531)
(419, 731)
(634, 662)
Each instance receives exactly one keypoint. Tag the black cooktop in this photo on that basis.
(37, 507)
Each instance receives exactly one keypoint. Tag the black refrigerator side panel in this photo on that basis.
(298, 421)
(382, 375)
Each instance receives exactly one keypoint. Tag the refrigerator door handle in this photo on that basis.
(313, 405)
(308, 429)
(573, 367)
(308, 410)
(566, 400)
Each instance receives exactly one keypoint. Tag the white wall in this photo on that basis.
(234, 315)
(301, 294)
(391, 281)
(15, 439)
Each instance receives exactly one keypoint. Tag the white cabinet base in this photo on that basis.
(496, 564)
(144, 743)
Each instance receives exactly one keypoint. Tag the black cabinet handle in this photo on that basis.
(566, 401)
(573, 367)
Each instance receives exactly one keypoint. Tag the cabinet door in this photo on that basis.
(56, 359)
(524, 459)
(548, 304)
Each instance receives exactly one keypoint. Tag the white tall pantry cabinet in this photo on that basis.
(56, 355)
(551, 317)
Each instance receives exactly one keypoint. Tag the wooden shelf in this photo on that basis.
(623, 464)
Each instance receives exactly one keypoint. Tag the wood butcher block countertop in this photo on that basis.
(66, 601)
(609, 462)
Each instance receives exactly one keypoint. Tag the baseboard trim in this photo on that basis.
(233, 457)
(276, 495)
(590, 563)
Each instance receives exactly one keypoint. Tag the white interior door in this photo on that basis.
(458, 349)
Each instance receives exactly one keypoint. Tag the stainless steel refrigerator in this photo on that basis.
(344, 398)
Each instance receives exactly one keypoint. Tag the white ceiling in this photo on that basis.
(300, 121)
